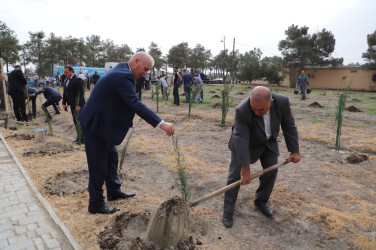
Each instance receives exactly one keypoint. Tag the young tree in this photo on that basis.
(156, 53)
(300, 49)
(9, 45)
(178, 55)
(249, 65)
(370, 54)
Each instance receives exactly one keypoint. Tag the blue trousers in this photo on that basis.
(102, 160)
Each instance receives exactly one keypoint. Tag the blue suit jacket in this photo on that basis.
(111, 107)
(48, 92)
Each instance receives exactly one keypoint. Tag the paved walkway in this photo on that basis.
(27, 221)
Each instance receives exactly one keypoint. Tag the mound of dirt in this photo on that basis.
(212, 92)
(239, 93)
(215, 96)
(21, 136)
(353, 109)
(48, 149)
(216, 105)
(67, 183)
(170, 224)
(355, 100)
(356, 158)
(315, 105)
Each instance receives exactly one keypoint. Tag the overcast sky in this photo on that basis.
(253, 24)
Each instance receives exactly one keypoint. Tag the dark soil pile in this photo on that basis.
(353, 109)
(315, 105)
(216, 105)
(21, 136)
(239, 93)
(67, 183)
(355, 100)
(216, 96)
(356, 158)
(48, 148)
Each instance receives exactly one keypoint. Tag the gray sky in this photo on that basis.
(254, 24)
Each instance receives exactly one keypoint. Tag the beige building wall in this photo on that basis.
(339, 78)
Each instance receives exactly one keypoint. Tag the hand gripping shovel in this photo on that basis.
(237, 183)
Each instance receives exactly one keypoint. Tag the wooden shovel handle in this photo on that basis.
(237, 183)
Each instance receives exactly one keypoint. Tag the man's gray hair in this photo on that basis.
(143, 55)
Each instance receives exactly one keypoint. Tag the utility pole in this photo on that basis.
(224, 54)
(233, 60)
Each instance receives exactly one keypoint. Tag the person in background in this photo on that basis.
(95, 78)
(17, 91)
(176, 80)
(302, 83)
(140, 85)
(53, 98)
(188, 81)
(36, 80)
(105, 120)
(203, 78)
(31, 91)
(254, 137)
(73, 96)
(164, 85)
(87, 81)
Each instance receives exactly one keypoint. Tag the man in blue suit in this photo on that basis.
(53, 98)
(105, 120)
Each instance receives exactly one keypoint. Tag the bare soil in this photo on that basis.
(328, 200)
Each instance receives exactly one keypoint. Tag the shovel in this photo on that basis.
(237, 183)
(5, 93)
(29, 114)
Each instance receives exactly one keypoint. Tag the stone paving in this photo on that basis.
(27, 221)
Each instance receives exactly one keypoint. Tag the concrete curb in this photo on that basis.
(43, 201)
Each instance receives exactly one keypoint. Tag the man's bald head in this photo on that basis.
(140, 64)
(260, 93)
(260, 100)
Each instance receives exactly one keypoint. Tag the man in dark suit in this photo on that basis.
(73, 96)
(105, 120)
(31, 91)
(53, 98)
(17, 91)
(254, 136)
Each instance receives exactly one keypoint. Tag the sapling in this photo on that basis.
(182, 174)
(226, 100)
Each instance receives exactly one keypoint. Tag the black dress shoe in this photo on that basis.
(227, 220)
(120, 195)
(106, 209)
(264, 208)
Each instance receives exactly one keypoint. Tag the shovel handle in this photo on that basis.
(237, 183)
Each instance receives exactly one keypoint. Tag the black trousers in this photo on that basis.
(19, 106)
(102, 160)
(139, 92)
(268, 159)
(175, 92)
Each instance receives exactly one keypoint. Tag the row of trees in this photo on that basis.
(299, 49)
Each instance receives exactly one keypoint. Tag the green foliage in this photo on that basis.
(182, 174)
(226, 101)
(370, 54)
(249, 66)
(300, 49)
(9, 45)
(178, 55)
(271, 68)
(199, 57)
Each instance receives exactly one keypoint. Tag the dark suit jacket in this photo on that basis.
(248, 139)
(48, 92)
(17, 82)
(111, 107)
(75, 88)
